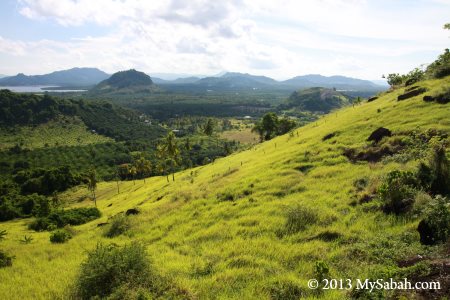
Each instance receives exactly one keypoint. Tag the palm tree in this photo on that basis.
(117, 177)
(143, 167)
(92, 183)
(133, 172)
(169, 150)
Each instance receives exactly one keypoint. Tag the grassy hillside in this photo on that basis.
(219, 231)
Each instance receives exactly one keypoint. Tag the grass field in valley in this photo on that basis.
(217, 230)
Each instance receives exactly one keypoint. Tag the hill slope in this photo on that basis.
(218, 230)
(317, 99)
(125, 82)
(72, 77)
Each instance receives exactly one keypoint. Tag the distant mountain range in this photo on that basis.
(73, 77)
(230, 81)
(240, 81)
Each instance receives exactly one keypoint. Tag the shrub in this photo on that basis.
(5, 259)
(60, 237)
(435, 227)
(286, 289)
(321, 270)
(8, 211)
(440, 67)
(440, 168)
(3, 233)
(112, 270)
(298, 218)
(398, 191)
(27, 239)
(61, 218)
(119, 225)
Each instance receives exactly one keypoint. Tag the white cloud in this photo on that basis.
(276, 38)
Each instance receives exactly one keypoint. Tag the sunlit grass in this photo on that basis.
(218, 249)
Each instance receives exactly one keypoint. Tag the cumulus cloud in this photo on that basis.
(277, 38)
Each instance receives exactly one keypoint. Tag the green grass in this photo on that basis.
(64, 131)
(216, 249)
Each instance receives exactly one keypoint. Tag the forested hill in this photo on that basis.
(103, 117)
(317, 99)
(130, 81)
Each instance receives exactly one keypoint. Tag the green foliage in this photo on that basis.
(13, 205)
(440, 170)
(46, 181)
(321, 270)
(28, 108)
(435, 226)
(3, 233)
(394, 79)
(104, 157)
(60, 236)
(285, 289)
(270, 126)
(8, 211)
(61, 218)
(109, 269)
(92, 183)
(27, 239)
(103, 117)
(434, 176)
(5, 259)
(209, 127)
(440, 67)
(143, 167)
(119, 224)
(398, 191)
(414, 76)
(169, 154)
(298, 218)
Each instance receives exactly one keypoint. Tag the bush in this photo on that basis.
(435, 227)
(60, 236)
(112, 270)
(398, 192)
(8, 211)
(440, 67)
(61, 218)
(5, 259)
(119, 225)
(298, 218)
(286, 289)
(440, 168)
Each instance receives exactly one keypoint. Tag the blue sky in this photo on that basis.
(280, 39)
